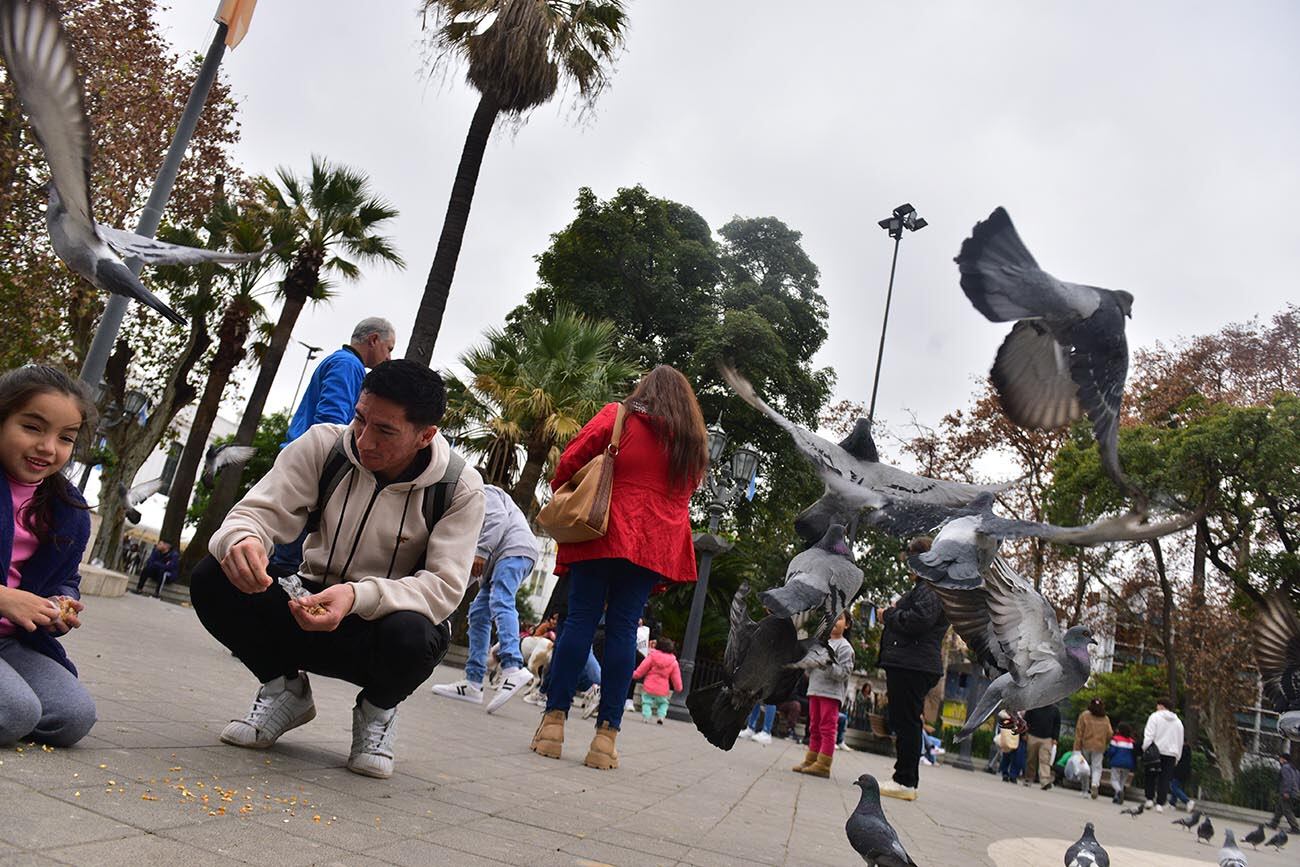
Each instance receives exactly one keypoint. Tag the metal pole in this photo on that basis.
(111, 322)
(294, 403)
(690, 642)
(880, 354)
(973, 696)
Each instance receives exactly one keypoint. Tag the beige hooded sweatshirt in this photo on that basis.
(374, 537)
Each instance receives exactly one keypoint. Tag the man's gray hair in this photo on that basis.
(372, 325)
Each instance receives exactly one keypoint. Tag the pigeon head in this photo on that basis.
(834, 541)
(1125, 301)
(1079, 637)
(1088, 830)
(1228, 838)
(869, 786)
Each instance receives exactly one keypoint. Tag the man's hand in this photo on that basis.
(476, 569)
(321, 612)
(245, 565)
(67, 620)
(27, 610)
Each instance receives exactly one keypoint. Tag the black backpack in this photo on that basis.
(437, 497)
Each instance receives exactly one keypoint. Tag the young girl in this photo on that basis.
(662, 676)
(827, 687)
(44, 526)
(1123, 760)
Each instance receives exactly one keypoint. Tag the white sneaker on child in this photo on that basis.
(745, 734)
(762, 738)
(461, 690)
(280, 705)
(591, 699)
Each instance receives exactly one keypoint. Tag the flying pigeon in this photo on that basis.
(1013, 629)
(1188, 822)
(851, 470)
(823, 576)
(137, 495)
(1254, 838)
(1066, 355)
(1134, 811)
(870, 833)
(1277, 655)
(1230, 855)
(756, 667)
(1278, 840)
(39, 60)
(1205, 833)
(1087, 852)
(222, 456)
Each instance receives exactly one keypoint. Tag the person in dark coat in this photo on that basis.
(661, 458)
(1288, 790)
(911, 655)
(161, 566)
(1044, 733)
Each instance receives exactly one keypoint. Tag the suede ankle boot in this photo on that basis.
(809, 758)
(549, 738)
(602, 754)
(821, 767)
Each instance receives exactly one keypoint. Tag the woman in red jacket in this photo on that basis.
(662, 455)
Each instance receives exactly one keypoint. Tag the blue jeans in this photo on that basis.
(769, 716)
(495, 603)
(1176, 793)
(619, 589)
(840, 726)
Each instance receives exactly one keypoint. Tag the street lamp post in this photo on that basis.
(904, 217)
(312, 352)
(133, 403)
(726, 482)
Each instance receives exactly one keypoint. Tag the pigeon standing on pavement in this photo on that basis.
(1254, 838)
(1011, 628)
(1067, 354)
(38, 58)
(851, 471)
(1230, 855)
(1087, 852)
(823, 576)
(870, 833)
(137, 495)
(1277, 655)
(222, 456)
(1134, 811)
(1188, 822)
(1205, 833)
(1278, 840)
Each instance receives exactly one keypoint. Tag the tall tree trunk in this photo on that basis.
(1080, 588)
(227, 486)
(1167, 619)
(232, 333)
(525, 492)
(428, 319)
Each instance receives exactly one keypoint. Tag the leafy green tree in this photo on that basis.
(271, 431)
(530, 392)
(516, 54)
(336, 221)
(1130, 694)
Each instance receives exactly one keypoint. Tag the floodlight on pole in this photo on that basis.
(312, 352)
(903, 217)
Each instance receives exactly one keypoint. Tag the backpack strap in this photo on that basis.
(437, 497)
(336, 467)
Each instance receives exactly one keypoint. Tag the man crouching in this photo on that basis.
(393, 516)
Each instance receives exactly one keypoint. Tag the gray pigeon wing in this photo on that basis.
(118, 279)
(144, 491)
(1003, 281)
(968, 612)
(1129, 527)
(1032, 377)
(40, 62)
(742, 629)
(876, 841)
(906, 519)
(1099, 367)
(1277, 650)
(1024, 624)
(232, 455)
(155, 252)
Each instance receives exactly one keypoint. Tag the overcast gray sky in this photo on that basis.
(1144, 146)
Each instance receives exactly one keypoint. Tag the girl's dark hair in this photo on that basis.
(17, 388)
(1124, 729)
(667, 397)
(848, 620)
(1097, 707)
(666, 645)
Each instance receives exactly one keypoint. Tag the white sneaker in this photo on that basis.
(536, 697)
(1150, 803)
(1160, 808)
(890, 789)
(745, 734)
(512, 684)
(462, 690)
(372, 740)
(762, 738)
(592, 701)
(280, 705)
(629, 706)
(1191, 805)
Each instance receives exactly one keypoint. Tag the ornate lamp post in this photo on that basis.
(133, 403)
(726, 482)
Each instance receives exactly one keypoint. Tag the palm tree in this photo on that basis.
(528, 395)
(244, 230)
(516, 53)
(336, 219)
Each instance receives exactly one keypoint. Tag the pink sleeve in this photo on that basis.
(677, 676)
(641, 669)
(589, 442)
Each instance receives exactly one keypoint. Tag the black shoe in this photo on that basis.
(1046, 786)
(659, 721)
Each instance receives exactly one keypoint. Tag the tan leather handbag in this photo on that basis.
(579, 510)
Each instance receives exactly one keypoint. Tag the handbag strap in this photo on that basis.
(612, 448)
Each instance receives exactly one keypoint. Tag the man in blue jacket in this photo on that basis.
(161, 566)
(331, 398)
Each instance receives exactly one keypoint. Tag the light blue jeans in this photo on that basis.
(495, 603)
(769, 716)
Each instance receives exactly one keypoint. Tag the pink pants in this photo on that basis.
(823, 721)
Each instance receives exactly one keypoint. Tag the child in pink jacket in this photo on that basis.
(662, 679)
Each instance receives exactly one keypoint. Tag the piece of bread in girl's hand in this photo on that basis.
(66, 609)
